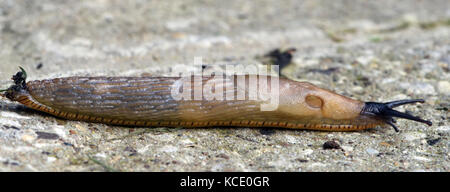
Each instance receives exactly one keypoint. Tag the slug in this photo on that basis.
(148, 101)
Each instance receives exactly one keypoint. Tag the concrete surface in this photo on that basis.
(367, 50)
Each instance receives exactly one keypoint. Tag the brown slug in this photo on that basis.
(147, 101)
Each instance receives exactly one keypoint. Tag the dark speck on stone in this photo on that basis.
(324, 71)
(281, 58)
(433, 141)
(331, 145)
(45, 135)
(11, 127)
(224, 156)
(302, 160)
(365, 81)
(267, 131)
(39, 66)
(130, 149)
(10, 163)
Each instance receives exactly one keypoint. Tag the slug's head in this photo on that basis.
(385, 112)
(315, 105)
(320, 106)
(19, 86)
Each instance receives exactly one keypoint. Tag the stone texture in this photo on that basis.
(368, 50)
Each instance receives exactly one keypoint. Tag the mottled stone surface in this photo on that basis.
(367, 50)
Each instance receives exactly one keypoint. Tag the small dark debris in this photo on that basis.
(39, 66)
(302, 160)
(443, 108)
(331, 145)
(130, 149)
(324, 71)
(68, 144)
(433, 141)
(45, 153)
(7, 162)
(11, 127)
(155, 160)
(267, 131)
(224, 156)
(45, 135)
(282, 59)
(365, 81)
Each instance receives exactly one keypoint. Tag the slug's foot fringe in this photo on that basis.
(385, 111)
(19, 84)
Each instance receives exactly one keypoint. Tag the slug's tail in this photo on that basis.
(19, 84)
(385, 111)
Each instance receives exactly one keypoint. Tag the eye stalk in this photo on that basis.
(385, 111)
